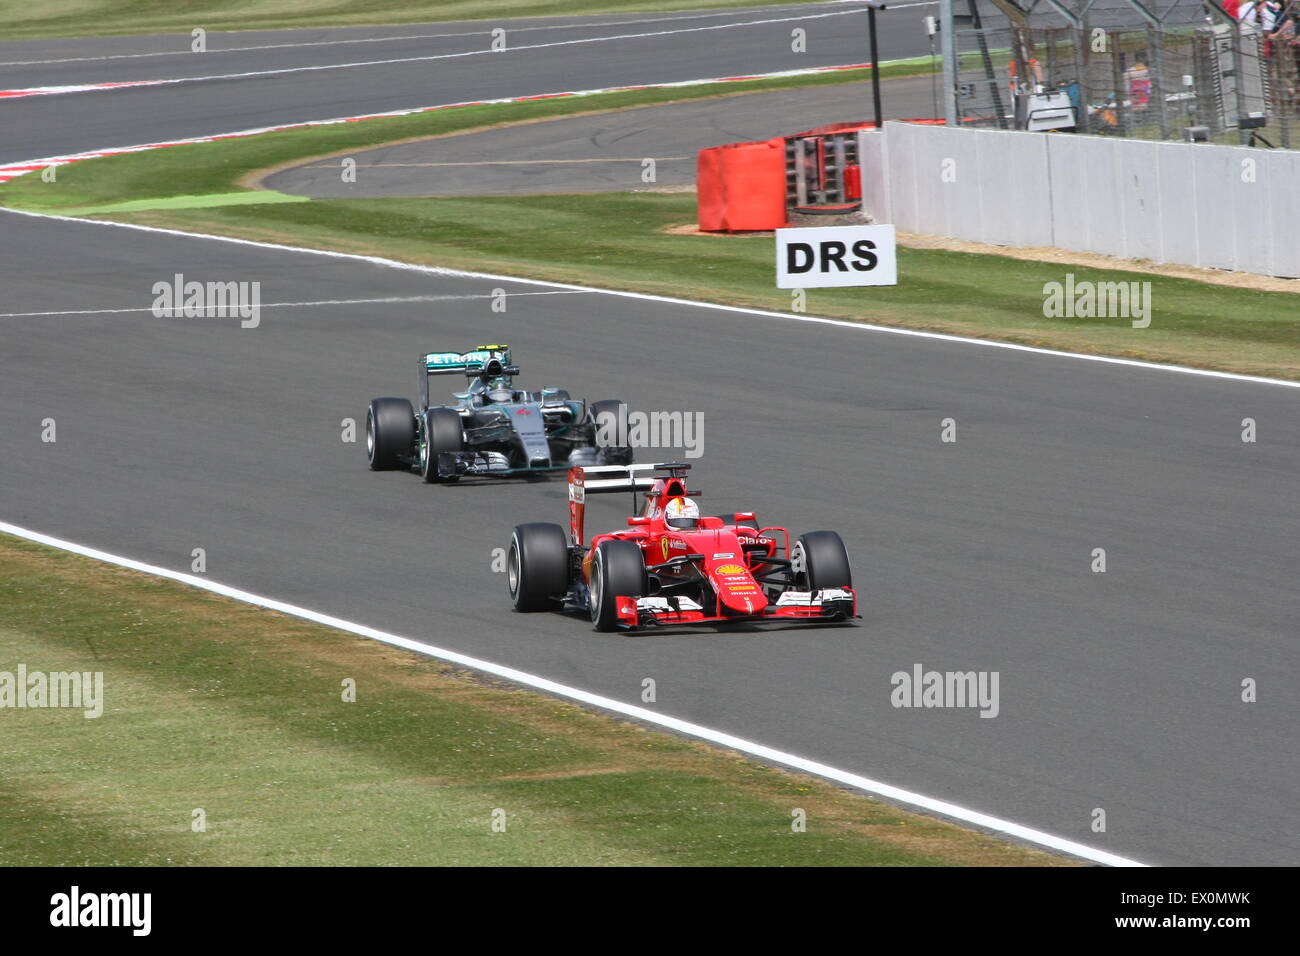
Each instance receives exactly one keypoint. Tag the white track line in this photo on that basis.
(10, 171)
(254, 74)
(721, 738)
(761, 751)
(387, 300)
(484, 31)
(668, 300)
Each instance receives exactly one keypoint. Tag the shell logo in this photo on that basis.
(729, 569)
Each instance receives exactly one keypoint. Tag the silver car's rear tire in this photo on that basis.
(390, 433)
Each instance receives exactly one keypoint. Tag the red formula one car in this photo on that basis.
(672, 566)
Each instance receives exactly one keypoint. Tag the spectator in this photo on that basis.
(1270, 18)
(1270, 12)
(1287, 36)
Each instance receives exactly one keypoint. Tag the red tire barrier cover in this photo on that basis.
(741, 186)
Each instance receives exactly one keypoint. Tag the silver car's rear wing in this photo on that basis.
(488, 360)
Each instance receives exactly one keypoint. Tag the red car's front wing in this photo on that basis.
(630, 616)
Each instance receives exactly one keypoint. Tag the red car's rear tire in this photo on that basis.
(537, 566)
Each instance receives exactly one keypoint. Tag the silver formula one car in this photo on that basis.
(493, 429)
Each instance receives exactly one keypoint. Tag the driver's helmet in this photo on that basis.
(682, 513)
(500, 396)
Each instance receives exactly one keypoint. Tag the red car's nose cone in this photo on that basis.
(736, 587)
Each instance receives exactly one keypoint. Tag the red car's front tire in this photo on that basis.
(617, 570)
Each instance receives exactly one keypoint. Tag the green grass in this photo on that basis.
(64, 18)
(214, 705)
(217, 168)
(619, 241)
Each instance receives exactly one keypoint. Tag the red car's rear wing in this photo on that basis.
(603, 479)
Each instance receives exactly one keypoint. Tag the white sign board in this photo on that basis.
(829, 256)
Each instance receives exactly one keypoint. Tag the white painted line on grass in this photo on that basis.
(761, 751)
(668, 300)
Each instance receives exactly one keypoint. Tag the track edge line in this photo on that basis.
(876, 788)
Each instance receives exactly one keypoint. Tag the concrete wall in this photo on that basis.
(1193, 204)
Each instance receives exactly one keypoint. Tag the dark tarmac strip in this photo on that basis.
(401, 74)
(1118, 690)
(597, 153)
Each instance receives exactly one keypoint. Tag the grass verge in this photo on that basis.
(619, 241)
(214, 705)
(224, 166)
(623, 241)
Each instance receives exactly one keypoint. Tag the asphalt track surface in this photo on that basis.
(1118, 690)
(446, 63)
(597, 153)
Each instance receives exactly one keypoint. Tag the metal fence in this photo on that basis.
(1146, 69)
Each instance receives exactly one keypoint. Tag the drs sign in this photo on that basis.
(830, 256)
